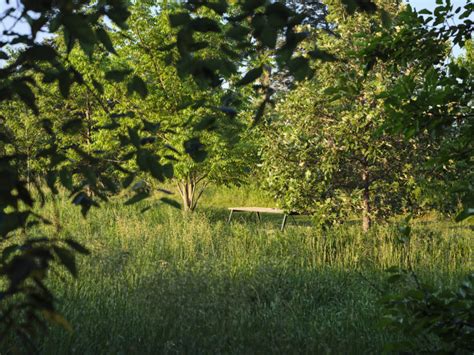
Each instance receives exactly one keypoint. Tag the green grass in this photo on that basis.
(161, 282)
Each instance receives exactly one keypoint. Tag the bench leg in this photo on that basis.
(230, 216)
(294, 220)
(258, 217)
(283, 223)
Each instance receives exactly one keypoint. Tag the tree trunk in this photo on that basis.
(191, 190)
(186, 189)
(366, 208)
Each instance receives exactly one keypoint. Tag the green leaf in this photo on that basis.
(269, 36)
(38, 53)
(195, 149)
(237, 32)
(425, 12)
(352, 6)
(220, 6)
(259, 23)
(251, 76)
(119, 13)
(299, 68)
(277, 14)
(137, 85)
(79, 26)
(205, 24)
(104, 38)
(179, 19)
(250, 5)
(117, 75)
(322, 55)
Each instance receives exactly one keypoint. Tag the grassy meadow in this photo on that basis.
(164, 282)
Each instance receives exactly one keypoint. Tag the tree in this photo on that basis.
(437, 97)
(186, 116)
(333, 155)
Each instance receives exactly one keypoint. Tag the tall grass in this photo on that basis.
(164, 282)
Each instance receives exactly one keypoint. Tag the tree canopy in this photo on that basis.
(333, 132)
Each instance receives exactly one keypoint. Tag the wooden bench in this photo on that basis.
(258, 210)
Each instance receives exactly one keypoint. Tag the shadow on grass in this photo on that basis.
(265, 309)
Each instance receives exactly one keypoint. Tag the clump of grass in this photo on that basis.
(172, 283)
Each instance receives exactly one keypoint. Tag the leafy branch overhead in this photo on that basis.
(265, 35)
(27, 63)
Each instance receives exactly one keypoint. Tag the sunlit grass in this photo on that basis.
(164, 282)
